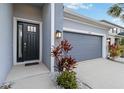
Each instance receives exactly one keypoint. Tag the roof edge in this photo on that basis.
(108, 22)
(70, 11)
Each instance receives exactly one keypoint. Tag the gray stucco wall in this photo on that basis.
(5, 40)
(47, 29)
(59, 16)
(27, 11)
(46, 54)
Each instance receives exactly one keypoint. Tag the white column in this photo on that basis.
(52, 33)
(5, 40)
(104, 47)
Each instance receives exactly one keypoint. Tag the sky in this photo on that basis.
(96, 11)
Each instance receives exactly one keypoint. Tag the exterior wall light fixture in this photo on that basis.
(58, 34)
(108, 39)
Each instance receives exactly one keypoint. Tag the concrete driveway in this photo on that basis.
(101, 74)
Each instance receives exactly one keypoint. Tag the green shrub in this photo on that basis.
(122, 50)
(122, 41)
(67, 80)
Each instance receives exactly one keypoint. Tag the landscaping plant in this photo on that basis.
(121, 50)
(62, 59)
(6, 86)
(67, 80)
(122, 41)
(64, 64)
(115, 50)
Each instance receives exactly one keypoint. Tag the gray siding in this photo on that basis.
(46, 35)
(6, 48)
(27, 11)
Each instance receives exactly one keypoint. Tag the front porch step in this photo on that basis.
(35, 82)
(21, 71)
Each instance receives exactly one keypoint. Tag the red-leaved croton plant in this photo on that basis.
(63, 60)
(115, 50)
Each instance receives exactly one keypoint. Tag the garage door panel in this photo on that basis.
(85, 47)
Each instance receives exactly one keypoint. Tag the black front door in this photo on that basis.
(27, 41)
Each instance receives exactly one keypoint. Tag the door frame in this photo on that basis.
(104, 42)
(15, 19)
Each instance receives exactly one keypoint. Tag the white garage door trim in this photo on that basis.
(104, 46)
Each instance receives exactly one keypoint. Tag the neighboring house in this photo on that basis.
(116, 33)
(28, 33)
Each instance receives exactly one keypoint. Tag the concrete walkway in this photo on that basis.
(30, 77)
(101, 73)
(21, 71)
(41, 81)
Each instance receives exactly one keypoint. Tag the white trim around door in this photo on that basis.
(104, 43)
(15, 19)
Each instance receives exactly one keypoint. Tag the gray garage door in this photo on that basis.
(85, 47)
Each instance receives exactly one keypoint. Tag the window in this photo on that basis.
(31, 29)
(19, 41)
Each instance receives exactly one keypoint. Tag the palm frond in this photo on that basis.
(115, 10)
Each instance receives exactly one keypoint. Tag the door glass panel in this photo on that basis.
(34, 29)
(29, 28)
(20, 41)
